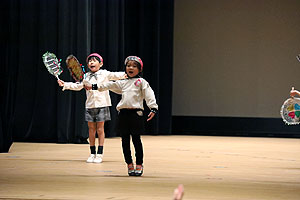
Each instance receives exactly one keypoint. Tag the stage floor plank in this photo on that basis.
(219, 168)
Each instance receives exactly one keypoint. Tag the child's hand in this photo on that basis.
(178, 192)
(87, 85)
(294, 92)
(150, 116)
(60, 83)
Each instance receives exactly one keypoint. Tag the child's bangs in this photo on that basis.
(94, 58)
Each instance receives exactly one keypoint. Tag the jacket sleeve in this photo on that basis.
(72, 86)
(113, 86)
(149, 96)
(116, 75)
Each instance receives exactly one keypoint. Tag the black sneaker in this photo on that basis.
(139, 170)
(131, 170)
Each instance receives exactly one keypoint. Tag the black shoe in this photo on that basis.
(131, 171)
(139, 170)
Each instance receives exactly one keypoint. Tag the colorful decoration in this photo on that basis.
(52, 64)
(138, 82)
(136, 59)
(75, 68)
(290, 111)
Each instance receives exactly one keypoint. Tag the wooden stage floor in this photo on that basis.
(231, 168)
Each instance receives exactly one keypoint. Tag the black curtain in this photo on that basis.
(33, 107)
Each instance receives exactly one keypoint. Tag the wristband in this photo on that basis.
(154, 110)
(94, 87)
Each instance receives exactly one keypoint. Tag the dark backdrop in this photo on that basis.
(33, 107)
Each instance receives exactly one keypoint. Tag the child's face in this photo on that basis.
(132, 69)
(94, 65)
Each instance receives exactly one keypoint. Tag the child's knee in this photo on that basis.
(100, 131)
(92, 130)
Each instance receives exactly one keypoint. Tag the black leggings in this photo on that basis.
(130, 123)
(138, 146)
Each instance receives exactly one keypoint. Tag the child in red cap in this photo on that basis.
(97, 102)
(134, 90)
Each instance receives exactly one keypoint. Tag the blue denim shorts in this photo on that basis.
(97, 114)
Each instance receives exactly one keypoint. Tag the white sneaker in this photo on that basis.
(91, 158)
(98, 158)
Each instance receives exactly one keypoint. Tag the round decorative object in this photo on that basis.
(75, 68)
(290, 111)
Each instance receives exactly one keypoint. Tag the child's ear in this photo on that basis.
(101, 64)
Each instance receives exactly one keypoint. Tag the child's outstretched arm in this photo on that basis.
(117, 75)
(294, 92)
(113, 86)
(70, 85)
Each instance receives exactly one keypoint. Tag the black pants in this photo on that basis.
(131, 123)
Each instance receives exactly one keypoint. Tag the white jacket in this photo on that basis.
(94, 98)
(133, 91)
